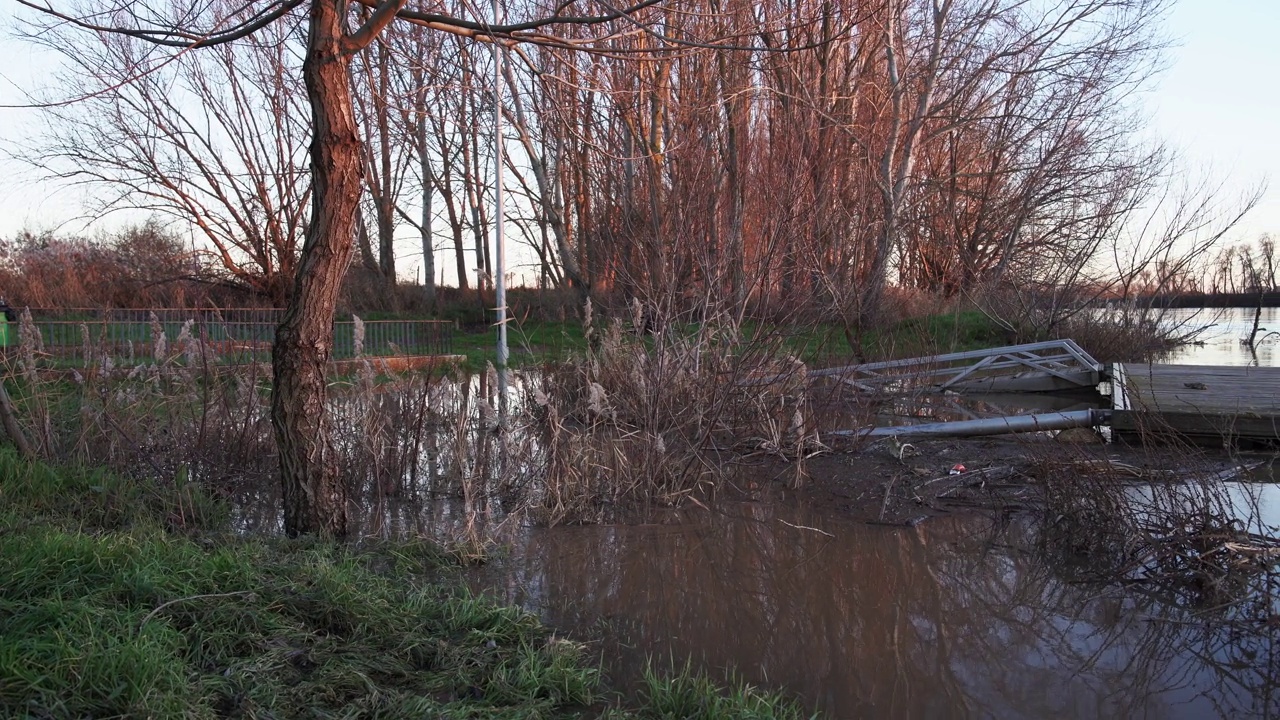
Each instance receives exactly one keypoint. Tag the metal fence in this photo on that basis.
(229, 336)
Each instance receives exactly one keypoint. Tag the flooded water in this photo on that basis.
(958, 617)
(1226, 328)
(953, 618)
(1260, 497)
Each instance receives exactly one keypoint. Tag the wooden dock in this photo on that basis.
(1202, 402)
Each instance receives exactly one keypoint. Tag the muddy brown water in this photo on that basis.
(956, 617)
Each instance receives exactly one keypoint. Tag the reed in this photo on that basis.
(178, 408)
(655, 409)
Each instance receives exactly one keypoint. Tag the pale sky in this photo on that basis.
(1219, 100)
(1218, 103)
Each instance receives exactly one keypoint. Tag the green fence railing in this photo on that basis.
(228, 336)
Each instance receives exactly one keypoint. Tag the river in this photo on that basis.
(1224, 330)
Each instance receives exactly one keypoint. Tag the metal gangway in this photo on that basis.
(1046, 366)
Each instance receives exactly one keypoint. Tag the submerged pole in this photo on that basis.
(991, 426)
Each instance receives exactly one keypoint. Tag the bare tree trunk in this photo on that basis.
(367, 259)
(428, 201)
(386, 241)
(452, 206)
(382, 150)
(315, 499)
(9, 420)
(428, 185)
(552, 212)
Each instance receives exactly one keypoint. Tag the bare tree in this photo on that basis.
(937, 142)
(1243, 267)
(776, 152)
(384, 143)
(538, 147)
(138, 266)
(315, 497)
(416, 115)
(214, 139)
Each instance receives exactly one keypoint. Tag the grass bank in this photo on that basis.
(536, 342)
(126, 600)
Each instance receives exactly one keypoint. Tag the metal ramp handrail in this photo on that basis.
(1063, 359)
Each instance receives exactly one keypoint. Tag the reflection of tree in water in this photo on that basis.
(946, 620)
(422, 458)
(1130, 653)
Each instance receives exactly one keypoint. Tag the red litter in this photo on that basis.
(956, 469)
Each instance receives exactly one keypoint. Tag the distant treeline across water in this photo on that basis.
(1215, 300)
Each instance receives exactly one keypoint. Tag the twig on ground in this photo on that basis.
(806, 527)
(175, 601)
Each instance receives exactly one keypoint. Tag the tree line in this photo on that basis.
(777, 154)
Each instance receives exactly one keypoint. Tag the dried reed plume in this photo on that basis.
(652, 418)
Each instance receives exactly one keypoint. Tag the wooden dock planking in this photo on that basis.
(1198, 400)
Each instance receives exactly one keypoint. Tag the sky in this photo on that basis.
(1217, 103)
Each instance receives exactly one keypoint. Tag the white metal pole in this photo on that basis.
(500, 255)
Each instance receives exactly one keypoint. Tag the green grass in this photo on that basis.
(687, 695)
(530, 343)
(125, 599)
(828, 344)
(824, 343)
(108, 612)
(936, 334)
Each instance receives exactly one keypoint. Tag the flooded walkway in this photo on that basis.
(957, 617)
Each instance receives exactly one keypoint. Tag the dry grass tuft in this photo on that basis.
(650, 417)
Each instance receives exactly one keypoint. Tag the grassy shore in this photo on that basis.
(537, 342)
(128, 600)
